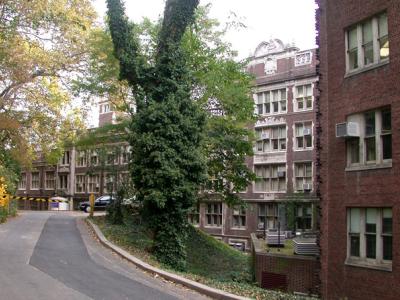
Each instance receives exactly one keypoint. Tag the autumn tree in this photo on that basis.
(43, 45)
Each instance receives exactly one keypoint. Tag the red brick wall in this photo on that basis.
(341, 97)
(300, 272)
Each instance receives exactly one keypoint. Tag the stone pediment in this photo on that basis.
(271, 47)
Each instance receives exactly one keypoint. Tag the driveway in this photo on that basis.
(51, 255)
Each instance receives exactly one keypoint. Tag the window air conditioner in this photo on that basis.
(307, 131)
(348, 129)
(261, 225)
(281, 174)
(307, 186)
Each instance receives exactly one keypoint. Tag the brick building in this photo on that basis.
(79, 172)
(360, 158)
(284, 93)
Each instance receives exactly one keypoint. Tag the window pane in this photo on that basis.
(387, 146)
(352, 38)
(260, 98)
(387, 221)
(275, 106)
(368, 53)
(370, 149)
(260, 109)
(386, 120)
(300, 91)
(308, 90)
(283, 105)
(309, 102)
(354, 150)
(370, 222)
(299, 142)
(355, 245)
(367, 32)
(383, 25)
(371, 245)
(308, 139)
(267, 107)
(387, 247)
(283, 94)
(370, 123)
(354, 220)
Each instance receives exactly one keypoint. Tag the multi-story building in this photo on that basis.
(81, 171)
(283, 194)
(360, 161)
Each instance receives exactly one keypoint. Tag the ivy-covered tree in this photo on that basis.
(166, 132)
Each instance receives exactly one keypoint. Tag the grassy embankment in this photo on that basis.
(210, 261)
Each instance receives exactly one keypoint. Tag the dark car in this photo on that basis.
(99, 204)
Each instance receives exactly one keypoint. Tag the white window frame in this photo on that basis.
(264, 103)
(259, 131)
(280, 167)
(94, 183)
(296, 164)
(220, 215)
(377, 61)
(362, 260)
(59, 181)
(81, 158)
(268, 215)
(296, 97)
(46, 187)
(22, 182)
(295, 136)
(77, 182)
(379, 162)
(239, 213)
(38, 180)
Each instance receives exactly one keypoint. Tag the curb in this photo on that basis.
(203, 289)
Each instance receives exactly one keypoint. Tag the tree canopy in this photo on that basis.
(43, 45)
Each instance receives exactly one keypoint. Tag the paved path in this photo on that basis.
(51, 255)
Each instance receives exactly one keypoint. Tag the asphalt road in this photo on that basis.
(51, 255)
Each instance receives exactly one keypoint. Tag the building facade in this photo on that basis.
(360, 161)
(284, 95)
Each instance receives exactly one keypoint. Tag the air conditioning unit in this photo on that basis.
(261, 225)
(281, 174)
(348, 129)
(307, 186)
(307, 131)
(265, 135)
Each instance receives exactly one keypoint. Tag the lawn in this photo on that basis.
(210, 261)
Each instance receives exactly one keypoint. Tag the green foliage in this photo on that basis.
(166, 132)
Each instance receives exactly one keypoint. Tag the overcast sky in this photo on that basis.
(288, 20)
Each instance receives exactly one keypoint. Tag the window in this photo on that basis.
(50, 181)
(374, 146)
(303, 176)
(64, 160)
(94, 183)
(271, 139)
(109, 184)
(303, 133)
(304, 99)
(367, 43)
(124, 178)
(63, 182)
(369, 236)
(80, 184)
(35, 182)
(267, 215)
(81, 158)
(194, 215)
(303, 216)
(112, 157)
(214, 214)
(239, 217)
(94, 158)
(272, 102)
(22, 182)
(270, 178)
(126, 153)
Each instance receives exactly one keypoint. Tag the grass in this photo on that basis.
(210, 261)
(287, 250)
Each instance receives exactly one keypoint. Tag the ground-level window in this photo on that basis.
(304, 216)
(239, 217)
(35, 182)
(22, 182)
(267, 215)
(80, 183)
(214, 214)
(370, 234)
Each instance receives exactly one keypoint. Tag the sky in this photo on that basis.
(288, 20)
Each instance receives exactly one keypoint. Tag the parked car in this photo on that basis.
(99, 204)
